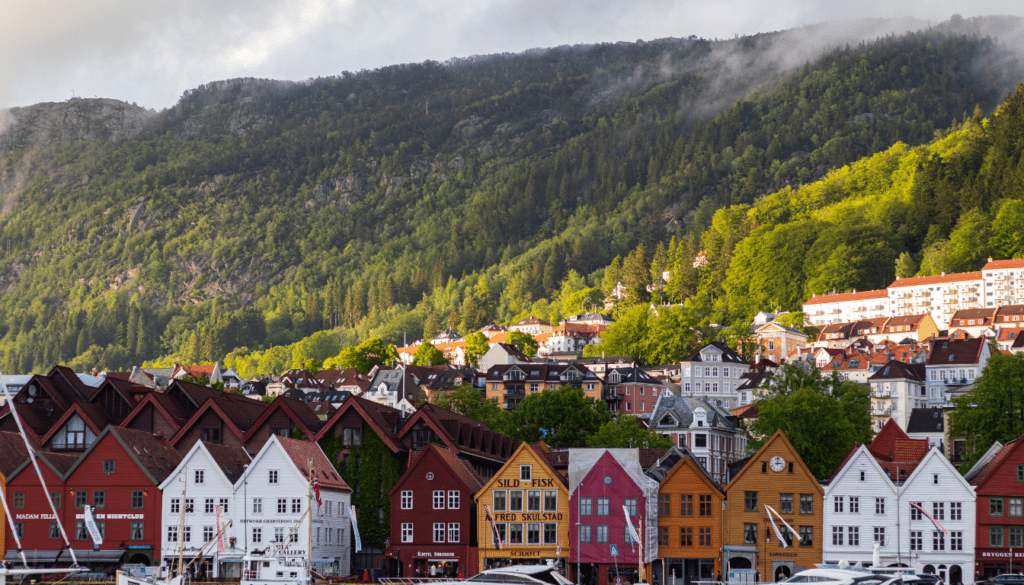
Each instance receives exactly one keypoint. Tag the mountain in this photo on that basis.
(255, 213)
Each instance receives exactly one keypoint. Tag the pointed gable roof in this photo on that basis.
(168, 408)
(687, 460)
(459, 467)
(853, 456)
(382, 419)
(306, 456)
(297, 411)
(775, 440)
(461, 433)
(980, 477)
(237, 412)
(934, 454)
(154, 456)
(883, 446)
(91, 414)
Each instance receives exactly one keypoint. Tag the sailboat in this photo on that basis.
(26, 572)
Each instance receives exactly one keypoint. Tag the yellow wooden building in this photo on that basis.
(529, 501)
(775, 476)
(690, 523)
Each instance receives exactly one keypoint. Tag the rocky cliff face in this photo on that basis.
(70, 122)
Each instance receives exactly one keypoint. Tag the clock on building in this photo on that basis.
(777, 463)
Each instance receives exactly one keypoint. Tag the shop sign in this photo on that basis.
(537, 483)
(998, 554)
(34, 517)
(528, 517)
(788, 555)
(524, 553)
(114, 516)
(435, 554)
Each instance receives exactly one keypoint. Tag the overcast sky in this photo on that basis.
(150, 52)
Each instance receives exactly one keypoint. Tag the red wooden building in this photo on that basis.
(32, 515)
(118, 475)
(998, 482)
(433, 516)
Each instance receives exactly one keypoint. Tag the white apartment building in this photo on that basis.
(264, 505)
(860, 499)
(998, 283)
(953, 366)
(896, 389)
(714, 373)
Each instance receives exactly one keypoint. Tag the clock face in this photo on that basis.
(777, 463)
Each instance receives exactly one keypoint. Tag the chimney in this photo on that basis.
(989, 258)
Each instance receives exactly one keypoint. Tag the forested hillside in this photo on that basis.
(255, 213)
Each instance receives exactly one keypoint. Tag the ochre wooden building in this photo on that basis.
(775, 476)
(690, 522)
(529, 499)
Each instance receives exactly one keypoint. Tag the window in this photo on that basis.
(664, 506)
(81, 499)
(862, 476)
(686, 537)
(108, 465)
(750, 533)
(1020, 472)
(211, 435)
(602, 533)
(938, 540)
(750, 501)
(630, 505)
(584, 532)
(406, 531)
(837, 504)
(955, 511)
(55, 498)
(686, 505)
(837, 535)
(99, 498)
(550, 533)
(172, 534)
(956, 540)
(138, 529)
(187, 535)
(515, 503)
(916, 540)
(603, 505)
(296, 505)
(272, 476)
(1015, 536)
(208, 507)
(453, 499)
(1015, 507)
(705, 537)
(19, 529)
(806, 536)
(282, 505)
(586, 506)
(533, 500)
(879, 505)
(352, 437)
(439, 499)
(438, 531)
(257, 535)
(200, 476)
(662, 535)
(175, 506)
(785, 503)
(705, 505)
(525, 472)
(915, 511)
(995, 506)
(499, 498)
(138, 499)
(700, 440)
(19, 500)
(223, 505)
(939, 510)
(533, 533)
(806, 503)
(515, 533)
(854, 505)
(407, 500)
(257, 505)
(207, 533)
(995, 536)
(880, 535)
(853, 534)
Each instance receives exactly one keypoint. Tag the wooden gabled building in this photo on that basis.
(484, 449)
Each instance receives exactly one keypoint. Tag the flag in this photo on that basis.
(220, 532)
(494, 529)
(778, 534)
(316, 490)
(90, 523)
(940, 527)
(629, 524)
(355, 530)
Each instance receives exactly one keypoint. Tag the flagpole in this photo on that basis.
(309, 525)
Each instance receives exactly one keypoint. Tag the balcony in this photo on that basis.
(880, 412)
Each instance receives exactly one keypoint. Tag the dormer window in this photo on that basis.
(614, 378)
(74, 435)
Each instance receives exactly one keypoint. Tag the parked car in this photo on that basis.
(929, 579)
(1006, 579)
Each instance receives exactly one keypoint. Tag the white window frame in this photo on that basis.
(453, 499)
(406, 500)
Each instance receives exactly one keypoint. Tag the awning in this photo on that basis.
(322, 561)
(99, 556)
(234, 560)
(35, 556)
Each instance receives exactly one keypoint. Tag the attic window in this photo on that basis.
(951, 356)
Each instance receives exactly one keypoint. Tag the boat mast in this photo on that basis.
(309, 526)
(181, 522)
(39, 474)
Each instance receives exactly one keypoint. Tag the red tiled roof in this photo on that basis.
(12, 452)
(883, 446)
(850, 296)
(995, 463)
(1003, 264)
(306, 455)
(939, 279)
(955, 351)
(909, 449)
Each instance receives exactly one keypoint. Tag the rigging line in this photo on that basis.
(14, 531)
(35, 464)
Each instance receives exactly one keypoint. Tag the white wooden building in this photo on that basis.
(264, 499)
(860, 501)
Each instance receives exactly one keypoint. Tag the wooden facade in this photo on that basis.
(690, 509)
(531, 531)
(775, 476)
